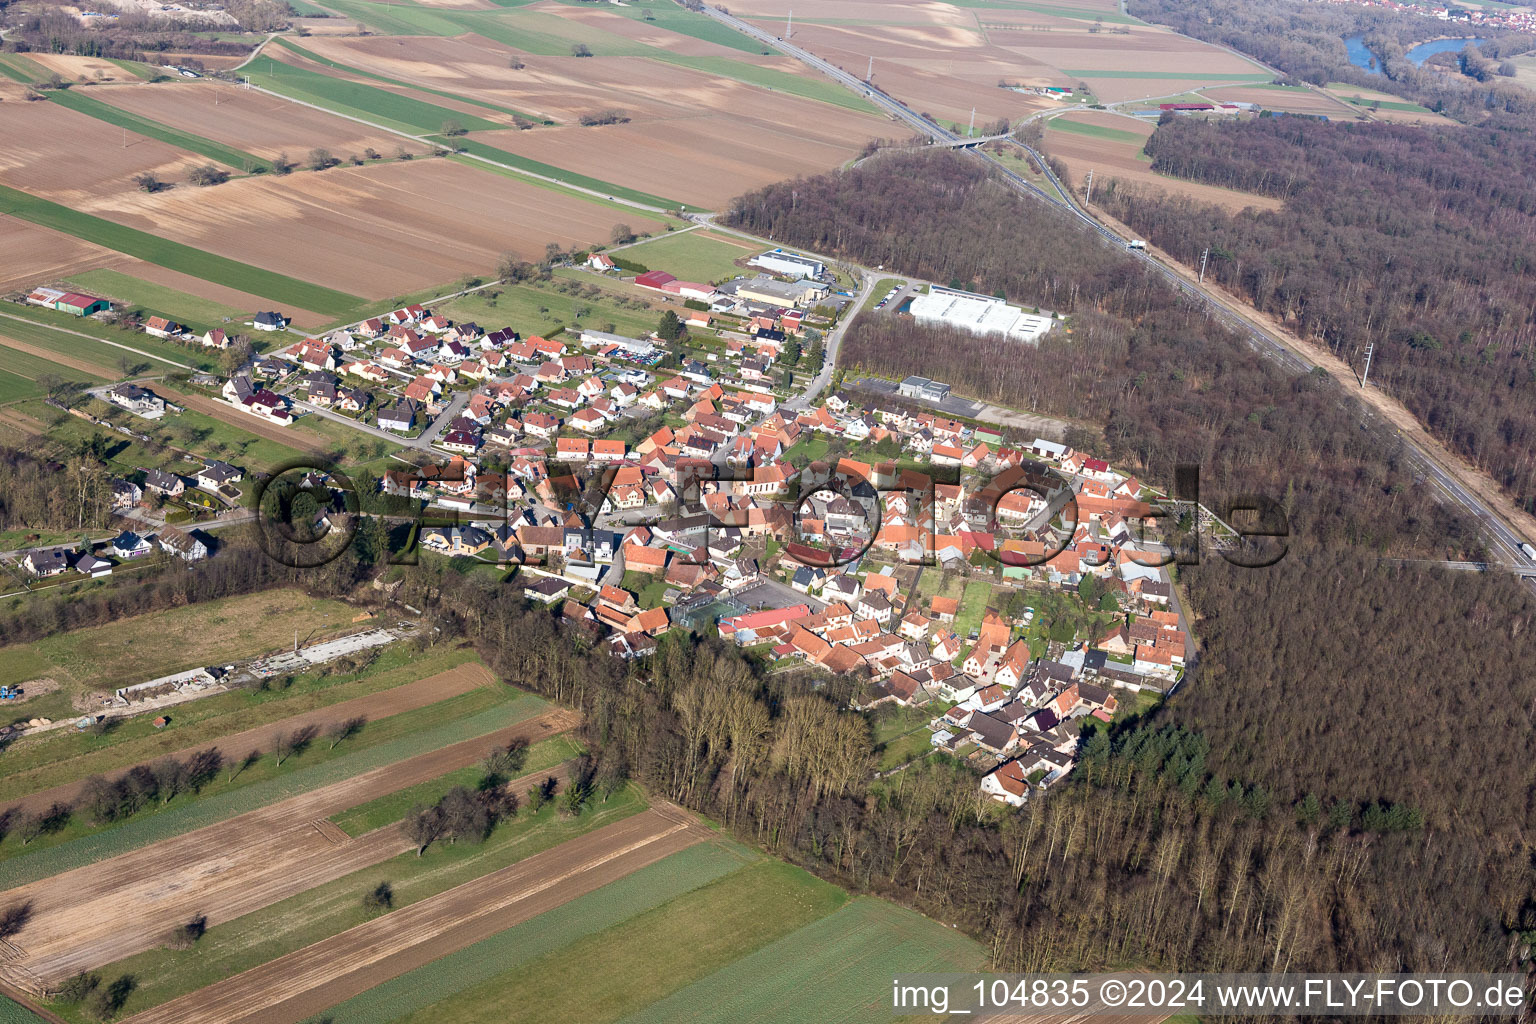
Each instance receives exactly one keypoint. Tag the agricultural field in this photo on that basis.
(540, 308)
(132, 650)
(1292, 99)
(315, 225)
(694, 255)
(194, 311)
(265, 125)
(61, 757)
(123, 906)
(700, 129)
(34, 254)
(1385, 106)
(1110, 145)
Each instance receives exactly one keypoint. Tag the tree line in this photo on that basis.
(1410, 239)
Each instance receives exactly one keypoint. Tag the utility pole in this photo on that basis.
(789, 25)
(1203, 257)
(1088, 193)
(970, 132)
(870, 74)
(1369, 348)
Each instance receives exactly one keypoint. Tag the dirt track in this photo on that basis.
(373, 706)
(102, 912)
(307, 981)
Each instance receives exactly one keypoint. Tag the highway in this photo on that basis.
(1503, 541)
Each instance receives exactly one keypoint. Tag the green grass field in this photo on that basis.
(811, 88)
(835, 969)
(356, 99)
(103, 345)
(382, 743)
(694, 936)
(506, 159)
(135, 68)
(1096, 131)
(67, 755)
(520, 305)
(76, 100)
(289, 44)
(394, 806)
(192, 310)
(691, 256)
(15, 1013)
(163, 252)
(647, 889)
(973, 604)
(13, 388)
(668, 15)
(29, 368)
(329, 909)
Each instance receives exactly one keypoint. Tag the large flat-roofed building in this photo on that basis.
(801, 294)
(789, 264)
(979, 314)
(638, 348)
(923, 388)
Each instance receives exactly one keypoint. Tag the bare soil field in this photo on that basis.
(74, 159)
(232, 297)
(1114, 158)
(103, 912)
(80, 69)
(375, 231)
(706, 159)
(943, 70)
(373, 706)
(1295, 101)
(34, 255)
(305, 982)
(875, 12)
(249, 120)
(602, 19)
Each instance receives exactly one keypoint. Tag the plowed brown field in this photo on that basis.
(103, 912)
(307, 981)
(74, 159)
(375, 231)
(373, 706)
(249, 120)
(34, 255)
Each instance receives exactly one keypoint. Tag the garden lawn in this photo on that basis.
(650, 956)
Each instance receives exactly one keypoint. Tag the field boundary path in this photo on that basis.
(305, 982)
(105, 911)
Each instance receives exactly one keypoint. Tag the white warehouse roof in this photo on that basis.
(979, 314)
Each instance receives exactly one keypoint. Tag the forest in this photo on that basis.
(1305, 40)
(1329, 684)
(1340, 786)
(1411, 239)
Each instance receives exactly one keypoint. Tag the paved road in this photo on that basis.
(1504, 542)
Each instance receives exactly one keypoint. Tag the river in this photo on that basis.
(1361, 56)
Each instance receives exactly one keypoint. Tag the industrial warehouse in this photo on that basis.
(979, 314)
